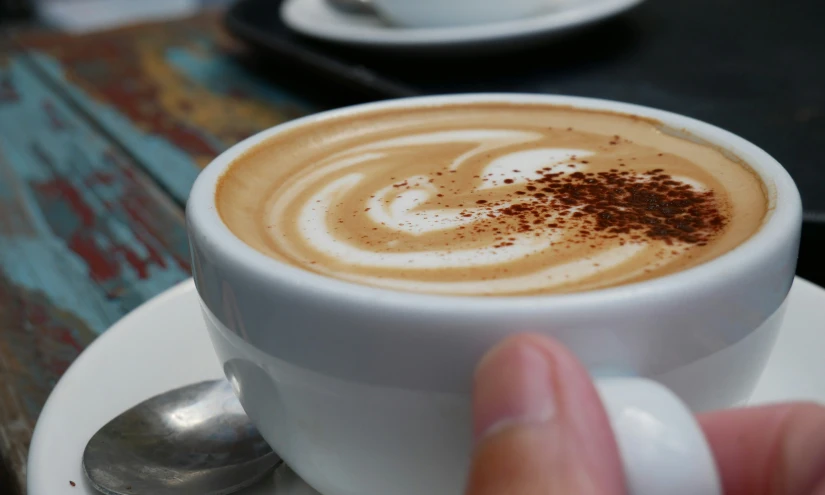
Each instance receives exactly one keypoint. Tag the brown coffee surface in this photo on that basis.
(490, 199)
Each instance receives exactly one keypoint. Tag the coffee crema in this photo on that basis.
(492, 199)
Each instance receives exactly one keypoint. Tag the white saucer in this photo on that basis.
(316, 18)
(163, 345)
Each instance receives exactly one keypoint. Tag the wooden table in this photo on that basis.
(101, 137)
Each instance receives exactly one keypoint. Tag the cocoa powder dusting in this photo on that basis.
(606, 205)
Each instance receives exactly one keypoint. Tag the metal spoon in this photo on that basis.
(192, 440)
(353, 6)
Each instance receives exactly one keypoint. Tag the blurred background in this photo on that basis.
(109, 109)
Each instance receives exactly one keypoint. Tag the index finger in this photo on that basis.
(769, 450)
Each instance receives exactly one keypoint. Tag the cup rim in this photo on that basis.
(783, 217)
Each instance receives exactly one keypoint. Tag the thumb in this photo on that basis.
(539, 425)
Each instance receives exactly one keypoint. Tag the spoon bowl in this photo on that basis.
(194, 440)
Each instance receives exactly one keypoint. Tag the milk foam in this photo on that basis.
(398, 213)
(431, 210)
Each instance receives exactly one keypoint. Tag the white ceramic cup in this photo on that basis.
(365, 391)
(443, 13)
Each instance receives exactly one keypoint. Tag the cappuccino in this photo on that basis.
(490, 199)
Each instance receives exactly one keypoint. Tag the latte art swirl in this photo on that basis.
(540, 200)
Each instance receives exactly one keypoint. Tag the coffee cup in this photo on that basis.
(365, 390)
(445, 13)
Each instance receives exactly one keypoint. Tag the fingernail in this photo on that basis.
(514, 384)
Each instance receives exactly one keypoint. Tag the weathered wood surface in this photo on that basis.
(171, 94)
(101, 137)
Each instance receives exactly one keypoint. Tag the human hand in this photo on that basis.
(541, 430)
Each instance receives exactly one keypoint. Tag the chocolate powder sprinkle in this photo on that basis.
(610, 204)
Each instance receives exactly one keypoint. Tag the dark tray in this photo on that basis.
(754, 67)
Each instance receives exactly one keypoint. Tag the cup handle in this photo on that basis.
(662, 446)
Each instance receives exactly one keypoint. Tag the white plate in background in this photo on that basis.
(317, 19)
